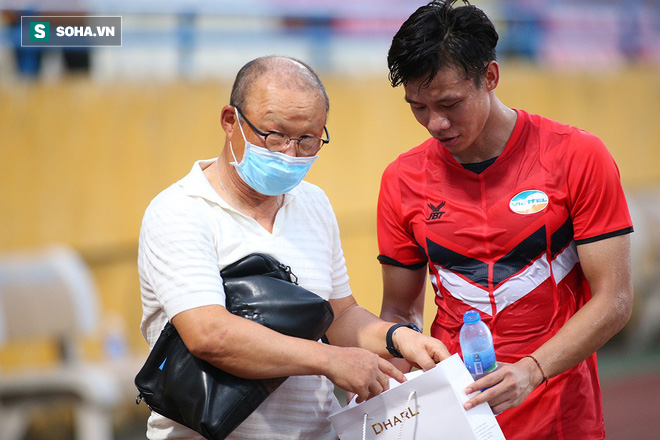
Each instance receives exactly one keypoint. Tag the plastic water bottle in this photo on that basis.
(477, 345)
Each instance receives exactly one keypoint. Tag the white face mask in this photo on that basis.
(270, 173)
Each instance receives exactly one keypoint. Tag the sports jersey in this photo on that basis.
(503, 242)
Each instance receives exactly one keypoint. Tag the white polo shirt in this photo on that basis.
(189, 233)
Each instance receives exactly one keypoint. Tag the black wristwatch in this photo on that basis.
(388, 339)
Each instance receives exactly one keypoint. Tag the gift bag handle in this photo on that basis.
(366, 415)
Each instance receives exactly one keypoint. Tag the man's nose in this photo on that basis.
(438, 122)
(291, 148)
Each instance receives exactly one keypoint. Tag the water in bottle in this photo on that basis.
(477, 345)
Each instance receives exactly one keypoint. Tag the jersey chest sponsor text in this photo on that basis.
(529, 202)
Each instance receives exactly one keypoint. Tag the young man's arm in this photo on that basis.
(607, 267)
(403, 294)
(403, 299)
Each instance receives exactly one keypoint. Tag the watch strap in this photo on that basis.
(388, 338)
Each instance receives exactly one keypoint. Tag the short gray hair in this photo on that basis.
(254, 69)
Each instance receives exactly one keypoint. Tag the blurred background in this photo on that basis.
(88, 136)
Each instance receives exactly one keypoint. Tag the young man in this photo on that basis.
(517, 216)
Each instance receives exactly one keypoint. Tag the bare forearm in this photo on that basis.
(587, 331)
(414, 314)
(578, 339)
(606, 265)
(403, 295)
(247, 349)
(357, 327)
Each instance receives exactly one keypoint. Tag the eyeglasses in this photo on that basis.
(276, 141)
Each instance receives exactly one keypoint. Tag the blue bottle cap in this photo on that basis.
(471, 316)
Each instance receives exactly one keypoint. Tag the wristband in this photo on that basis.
(388, 339)
(538, 364)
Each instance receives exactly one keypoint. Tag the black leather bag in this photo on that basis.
(194, 393)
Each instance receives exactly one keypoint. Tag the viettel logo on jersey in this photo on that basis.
(529, 202)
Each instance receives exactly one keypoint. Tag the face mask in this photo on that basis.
(268, 172)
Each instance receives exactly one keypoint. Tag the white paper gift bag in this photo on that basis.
(428, 406)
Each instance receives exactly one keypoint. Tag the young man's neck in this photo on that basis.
(494, 136)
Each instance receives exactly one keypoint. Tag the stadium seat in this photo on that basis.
(50, 294)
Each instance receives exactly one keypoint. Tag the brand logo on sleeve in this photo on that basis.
(529, 202)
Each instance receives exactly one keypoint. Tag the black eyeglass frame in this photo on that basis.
(286, 144)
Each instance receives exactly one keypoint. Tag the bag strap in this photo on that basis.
(366, 415)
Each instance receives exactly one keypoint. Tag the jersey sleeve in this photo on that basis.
(598, 205)
(396, 242)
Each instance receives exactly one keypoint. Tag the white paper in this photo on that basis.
(435, 410)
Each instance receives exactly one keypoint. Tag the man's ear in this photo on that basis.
(228, 119)
(492, 76)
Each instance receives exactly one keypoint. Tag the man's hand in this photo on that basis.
(419, 350)
(360, 371)
(506, 387)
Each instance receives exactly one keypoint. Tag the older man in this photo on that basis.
(252, 199)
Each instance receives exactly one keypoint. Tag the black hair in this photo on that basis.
(440, 35)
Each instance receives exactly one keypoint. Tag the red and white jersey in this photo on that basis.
(504, 242)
